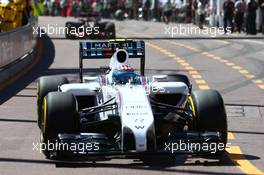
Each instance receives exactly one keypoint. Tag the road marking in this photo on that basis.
(222, 41)
(261, 86)
(204, 87)
(196, 76)
(258, 81)
(230, 64)
(250, 76)
(253, 41)
(234, 66)
(191, 70)
(243, 72)
(223, 61)
(200, 81)
(234, 151)
(230, 136)
(241, 162)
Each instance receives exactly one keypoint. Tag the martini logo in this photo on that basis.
(106, 45)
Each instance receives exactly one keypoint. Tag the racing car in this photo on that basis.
(87, 28)
(123, 112)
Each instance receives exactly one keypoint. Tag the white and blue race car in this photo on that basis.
(124, 113)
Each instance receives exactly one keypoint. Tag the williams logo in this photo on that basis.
(139, 127)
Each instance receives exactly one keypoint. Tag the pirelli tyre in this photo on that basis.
(44, 86)
(68, 29)
(59, 116)
(71, 29)
(110, 31)
(209, 113)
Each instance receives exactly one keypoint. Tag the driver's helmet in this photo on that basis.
(123, 74)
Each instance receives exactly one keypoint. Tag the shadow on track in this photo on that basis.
(17, 120)
(46, 59)
(160, 164)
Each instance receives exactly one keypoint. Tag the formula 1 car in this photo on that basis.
(87, 29)
(121, 112)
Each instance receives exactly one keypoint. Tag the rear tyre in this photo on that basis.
(45, 85)
(68, 31)
(59, 116)
(71, 28)
(210, 114)
(110, 30)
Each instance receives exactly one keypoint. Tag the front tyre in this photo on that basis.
(209, 113)
(59, 116)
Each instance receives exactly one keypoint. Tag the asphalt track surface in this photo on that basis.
(234, 67)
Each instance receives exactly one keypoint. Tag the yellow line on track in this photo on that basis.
(241, 162)
(193, 73)
(230, 136)
(234, 152)
(228, 63)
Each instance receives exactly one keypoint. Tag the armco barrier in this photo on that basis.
(16, 44)
(17, 53)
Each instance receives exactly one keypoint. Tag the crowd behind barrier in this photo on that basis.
(240, 15)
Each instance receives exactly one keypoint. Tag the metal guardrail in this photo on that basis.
(15, 44)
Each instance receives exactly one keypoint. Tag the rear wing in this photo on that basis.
(105, 49)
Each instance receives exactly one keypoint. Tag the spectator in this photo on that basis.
(69, 10)
(188, 11)
(97, 8)
(146, 9)
(194, 10)
(27, 12)
(240, 9)
(57, 7)
(251, 17)
(201, 12)
(129, 8)
(261, 5)
(37, 8)
(75, 8)
(46, 4)
(63, 4)
(213, 12)
(167, 11)
(228, 8)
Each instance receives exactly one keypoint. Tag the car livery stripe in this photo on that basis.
(120, 98)
(103, 80)
(143, 79)
(192, 105)
(44, 114)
